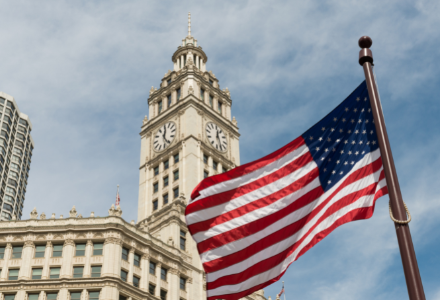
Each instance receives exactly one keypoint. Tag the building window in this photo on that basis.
(124, 253)
(39, 251)
(152, 268)
(10, 297)
(51, 296)
(36, 273)
(2, 252)
(80, 249)
(165, 181)
(211, 100)
(169, 100)
(205, 174)
(33, 296)
(57, 251)
(78, 272)
(166, 164)
(137, 260)
(182, 283)
(156, 170)
(176, 175)
(155, 205)
(176, 192)
(16, 251)
(13, 274)
(160, 106)
(151, 289)
(97, 248)
(176, 158)
(124, 275)
(168, 81)
(136, 281)
(178, 94)
(155, 187)
(214, 165)
(219, 107)
(96, 271)
(93, 295)
(55, 272)
(211, 82)
(205, 159)
(202, 94)
(163, 274)
(75, 296)
(122, 297)
(165, 199)
(163, 295)
(223, 169)
(182, 240)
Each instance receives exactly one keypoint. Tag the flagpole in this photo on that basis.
(407, 253)
(284, 291)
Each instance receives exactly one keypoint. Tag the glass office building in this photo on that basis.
(16, 146)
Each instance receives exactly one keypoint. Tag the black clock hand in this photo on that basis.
(219, 143)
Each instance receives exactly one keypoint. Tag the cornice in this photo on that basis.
(189, 100)
(184, 49)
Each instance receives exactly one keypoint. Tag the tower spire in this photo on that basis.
(189, 24)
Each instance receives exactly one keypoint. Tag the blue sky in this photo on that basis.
(82, 71)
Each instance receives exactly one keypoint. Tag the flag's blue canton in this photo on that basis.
(343, 137)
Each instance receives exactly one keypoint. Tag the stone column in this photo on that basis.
(173, 284)
(26, 260)
(21, 295)
(173, 96)
(130, 268)
(47, 255)
(109, 292)
(63, 292)
(67, 261)
(112, 257)
(158, 268)
(7, 257)
(206, 97)
(42, 296)
(145, 266)
(182, 60)
(87, 265)
(84, 295)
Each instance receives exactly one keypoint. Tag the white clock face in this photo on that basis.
(216, 137)
(164, 136)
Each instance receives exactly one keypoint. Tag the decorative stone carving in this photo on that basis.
(43, 216)
(80, 216)
(69, 242)
(73, 212)
(34, 213)
(92, 215)
(113, 240)
(14, 218)
(170, 241)
(234, 121)
(117, 212)
(132, 222)
(152, 90)
(53, 216)
(145, 121)
(61, 216)
(226, 90)
(28, 244)
(191, 90)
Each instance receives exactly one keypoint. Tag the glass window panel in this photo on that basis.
(137, 260)
(16, 251)
(155, 187)
(214, 165)
(124, 253)
(156, 170)
(151, 288)
(205, 159)
(122, 297)
(178, 94)
(165, 199)
(166, 164)
(93, 295)
(33, 296)
(176, 175)
(160, 106)
(176, 158)
(182, 243)
(136, 281)
(96, 271)
(9, 297)
(176, 192)
(124, 275)
(205, 174)
(2, 252)
(51, 296)
(13, 274)
(57, 251)
(80, 250)
(182, 283)
(152, 268)
(75, 296)
(36, 273)
(78, 272)
(155, 205)
(97, 248)
(163, 295)
(163, 274)
(55, 272)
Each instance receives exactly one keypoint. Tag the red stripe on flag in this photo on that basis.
(247, 168)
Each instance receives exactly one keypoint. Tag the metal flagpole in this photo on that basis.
(407, 253)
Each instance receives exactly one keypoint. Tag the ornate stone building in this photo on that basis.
(189, 135)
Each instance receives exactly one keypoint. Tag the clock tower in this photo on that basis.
(188, 135)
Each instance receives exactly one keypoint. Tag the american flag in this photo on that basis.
(282, 291)
(253, 221)
(118, 199)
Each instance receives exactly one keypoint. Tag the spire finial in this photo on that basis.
(189, 24)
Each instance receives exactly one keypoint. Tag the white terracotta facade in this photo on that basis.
(135, 257)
